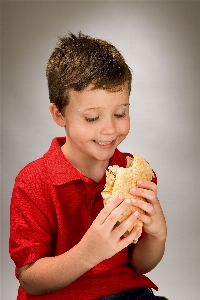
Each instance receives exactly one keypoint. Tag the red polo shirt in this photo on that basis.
(52, 207)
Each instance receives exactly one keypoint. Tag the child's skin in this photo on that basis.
(96, 122)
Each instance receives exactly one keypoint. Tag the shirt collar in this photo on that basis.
(58, 166)
(60, 169)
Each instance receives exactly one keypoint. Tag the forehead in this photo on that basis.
(98, 98)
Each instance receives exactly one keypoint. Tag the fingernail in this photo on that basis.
(128, 200)
(138, 228)
(136, 213)
(133, 190)
(120, 197)
(139, 182)
(133, 200)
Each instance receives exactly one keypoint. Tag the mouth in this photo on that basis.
(105, 144)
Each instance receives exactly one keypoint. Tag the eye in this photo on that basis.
(120, 115)
(91, 119)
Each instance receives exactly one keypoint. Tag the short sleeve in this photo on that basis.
(30, 229)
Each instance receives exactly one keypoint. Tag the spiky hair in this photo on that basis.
(80, 61)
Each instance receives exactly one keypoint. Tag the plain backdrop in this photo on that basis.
(160, 41)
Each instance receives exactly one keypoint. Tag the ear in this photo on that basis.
(56, 114)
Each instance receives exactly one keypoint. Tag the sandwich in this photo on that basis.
(119, 180)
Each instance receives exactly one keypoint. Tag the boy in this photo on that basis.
(62, 238)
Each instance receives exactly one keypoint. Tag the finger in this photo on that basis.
(105, 212)
(114, 216)
(149, 195)
(149, 185)
(145, 206)
(125, 225)
(129, 239)
(146, 219)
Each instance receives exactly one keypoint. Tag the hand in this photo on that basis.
(101, 241)
(154, 220)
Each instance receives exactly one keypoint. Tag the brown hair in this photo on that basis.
(80, 61)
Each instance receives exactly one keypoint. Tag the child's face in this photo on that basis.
(96, 122)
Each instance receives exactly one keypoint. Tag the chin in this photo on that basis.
(105, 156)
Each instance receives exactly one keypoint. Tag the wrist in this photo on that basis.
(86, 255)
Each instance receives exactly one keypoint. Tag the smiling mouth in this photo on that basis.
(104, 143)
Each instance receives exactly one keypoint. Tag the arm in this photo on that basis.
(149, 250)
(100, 242)
(49, 274)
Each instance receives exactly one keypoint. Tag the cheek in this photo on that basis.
(81, 130)
(125, 127)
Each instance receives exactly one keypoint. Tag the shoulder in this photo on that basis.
(32, 182)
(38, 167)
(32, 189)
(31, 170)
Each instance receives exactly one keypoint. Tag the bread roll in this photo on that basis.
(118, 182)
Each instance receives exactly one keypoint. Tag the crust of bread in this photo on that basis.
(118, 182)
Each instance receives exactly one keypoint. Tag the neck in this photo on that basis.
(90, 167)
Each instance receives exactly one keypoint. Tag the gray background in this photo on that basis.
(161, 42)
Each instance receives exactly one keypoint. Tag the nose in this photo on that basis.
(108, 127)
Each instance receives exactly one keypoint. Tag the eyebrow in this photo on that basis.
(90, 108)
(94, 108)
